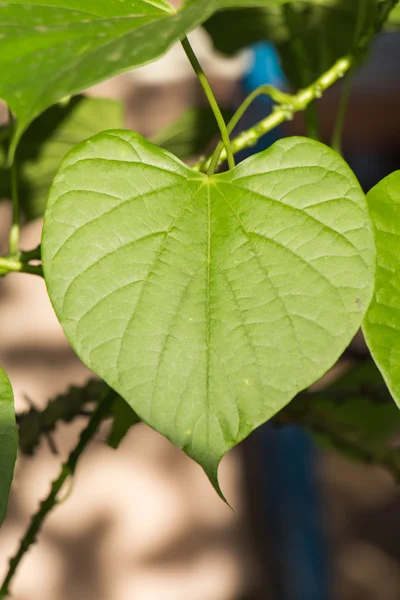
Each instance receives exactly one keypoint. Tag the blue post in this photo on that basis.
(290, 487)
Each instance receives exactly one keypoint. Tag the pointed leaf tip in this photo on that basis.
(207, 303)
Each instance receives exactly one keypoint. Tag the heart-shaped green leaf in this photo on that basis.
(382, 323)
(8, 441)
(50, 49)
(207, 303)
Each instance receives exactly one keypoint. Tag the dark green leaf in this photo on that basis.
(46, 142)
(207, 303)
(360, 401)
(233, 30)
(34, 424)
(191, 133)
(310, 36)
(322, 34)
(124, 417)
(355, 415)
(8, 441)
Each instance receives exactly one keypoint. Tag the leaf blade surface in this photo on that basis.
(8, 441)
(382, 322)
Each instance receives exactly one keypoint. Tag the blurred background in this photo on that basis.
(143, 522)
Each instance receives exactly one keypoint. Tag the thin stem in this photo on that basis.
(14, 265)
(35, 423)
(312, 122)
(15, 226)
(46, 505)
(263, 90)
(298, 102)
(304, 97)
(297, 22)
(336, 142)
(211, 99)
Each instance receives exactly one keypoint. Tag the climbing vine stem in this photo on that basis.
(312, 121)
(46, 505)
(336, 143)
(212, 101)
(9, 264)
(306, 410)
(264, 90)
(304, 97)
(298, 102)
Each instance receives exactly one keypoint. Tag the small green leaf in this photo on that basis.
(35, 424)
(190, 134)
(207, 303)
(124, 418)
(50, 49)
(394, 17)
(382, 323)
(8, 441)
(356, 412)
(47, 141)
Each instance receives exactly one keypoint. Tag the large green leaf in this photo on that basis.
(382, 323)
(50, 49)
(46, 142)
(207, 303)
(8, 441)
